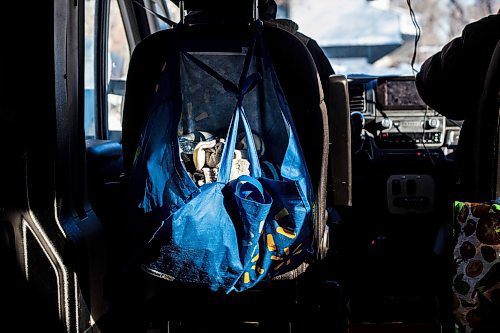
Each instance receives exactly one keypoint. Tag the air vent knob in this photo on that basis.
(432, 123)
(386, 123)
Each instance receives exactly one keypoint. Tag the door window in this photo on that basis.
(118, 60)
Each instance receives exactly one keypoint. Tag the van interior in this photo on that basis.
(75, 96)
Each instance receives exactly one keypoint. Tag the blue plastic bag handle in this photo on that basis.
(250, 188)
(228, 152)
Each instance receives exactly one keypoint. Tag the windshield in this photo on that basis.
(377, 37)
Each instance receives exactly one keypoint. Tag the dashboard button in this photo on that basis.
(396, 187)
(411, 187)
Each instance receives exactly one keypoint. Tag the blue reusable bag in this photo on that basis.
(230, 234)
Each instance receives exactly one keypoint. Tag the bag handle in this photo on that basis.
(250, 188)
(226, 163)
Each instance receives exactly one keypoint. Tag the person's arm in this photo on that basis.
(451, 81)
(439, 80)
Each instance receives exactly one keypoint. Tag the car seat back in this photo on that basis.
(487, 132)
(297, 75)
(480, 146)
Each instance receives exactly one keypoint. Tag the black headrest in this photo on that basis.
(226, 6)
(215, 5)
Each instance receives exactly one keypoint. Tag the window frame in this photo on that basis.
(137, 25)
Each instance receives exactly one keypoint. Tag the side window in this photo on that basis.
(89, 70)
(165, 8)
(108, 37)
(118, 60)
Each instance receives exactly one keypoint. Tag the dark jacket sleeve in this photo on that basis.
(451, 81)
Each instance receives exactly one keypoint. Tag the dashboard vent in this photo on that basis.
(357, 98)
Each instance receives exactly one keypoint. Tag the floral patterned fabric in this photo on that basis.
(476, 281)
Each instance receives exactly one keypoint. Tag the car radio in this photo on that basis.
(394, 112)
(411, 130)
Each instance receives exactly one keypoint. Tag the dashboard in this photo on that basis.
(396, 115)
(411, 146)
